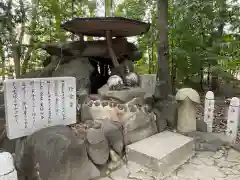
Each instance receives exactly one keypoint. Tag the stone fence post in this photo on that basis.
(209, 110)
(233, 119)
(7, 169)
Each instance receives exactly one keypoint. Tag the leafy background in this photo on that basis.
(204, 36)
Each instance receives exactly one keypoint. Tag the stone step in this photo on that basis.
(162, 153)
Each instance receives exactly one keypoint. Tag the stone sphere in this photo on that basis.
(115, 82)
(132, 79)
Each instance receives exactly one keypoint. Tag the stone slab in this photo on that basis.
(36, 103)
(163, 152)
(148, 83)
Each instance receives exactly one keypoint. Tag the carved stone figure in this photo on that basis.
(188, 98)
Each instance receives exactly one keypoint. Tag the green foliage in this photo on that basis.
(202, 34)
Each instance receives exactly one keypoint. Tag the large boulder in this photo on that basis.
(85, 113)
(7, 144)
(138, 124)
(97, 146)
(53, 153)
(2, 110)
(98, 48)
(32, 74)
(114, 133)
(2, 125)
(120, 46)
(166, 111)
(80, 68)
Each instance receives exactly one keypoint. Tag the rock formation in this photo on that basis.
(53, 153)
(107, 122)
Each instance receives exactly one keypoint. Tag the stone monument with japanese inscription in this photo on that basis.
(33, 104)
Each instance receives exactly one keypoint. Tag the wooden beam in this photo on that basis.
(110, 49)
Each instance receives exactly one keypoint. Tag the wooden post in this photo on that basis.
(209, 110)
(110, 49)
(81, 38)
(113, 55)
(233, 119)
(164, 80)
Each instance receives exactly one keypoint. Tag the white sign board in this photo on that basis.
(33, 104)
(148, 83)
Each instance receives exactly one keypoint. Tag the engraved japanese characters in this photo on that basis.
(32, 104)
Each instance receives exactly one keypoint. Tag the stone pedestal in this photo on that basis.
(163, 152)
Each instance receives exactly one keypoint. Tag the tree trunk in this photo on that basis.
(16, 43)
(2, 56)
(27, 56)
(164, 79)
(201, 78)
(174, 74)
(150, 60)
(151, 54)
(223, 15)
(14, 46)
(208, 76)
(16, 55)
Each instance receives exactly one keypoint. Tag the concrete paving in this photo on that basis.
(221, 165)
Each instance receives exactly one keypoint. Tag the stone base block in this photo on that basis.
(162, 153)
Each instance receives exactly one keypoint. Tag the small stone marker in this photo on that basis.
(188, 99)
(148, 83)
(233, 119)
(33, 104)
(209, 110)
(7, 169)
